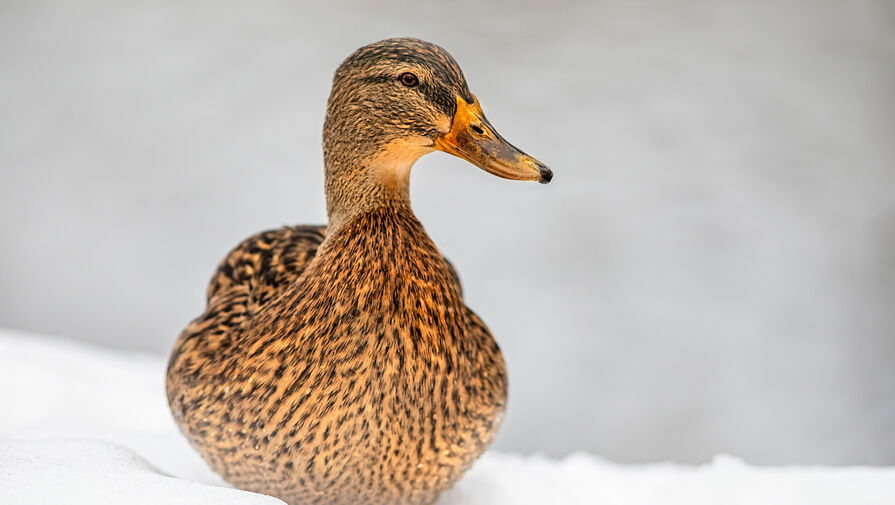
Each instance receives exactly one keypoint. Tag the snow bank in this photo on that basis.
(93, 472)
(86, 425)
(584, 479)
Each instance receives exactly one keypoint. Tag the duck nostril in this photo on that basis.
(478, 129)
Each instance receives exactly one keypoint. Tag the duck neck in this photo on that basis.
(358, 183)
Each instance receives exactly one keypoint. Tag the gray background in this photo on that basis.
(712, 270)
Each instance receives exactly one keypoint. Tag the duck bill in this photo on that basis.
(472, 138)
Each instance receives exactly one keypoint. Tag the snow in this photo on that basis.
(91, 472)
(88, 425)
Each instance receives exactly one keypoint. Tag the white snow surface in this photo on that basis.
(95, 472)
(87, 425)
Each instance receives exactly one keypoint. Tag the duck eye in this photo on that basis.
(409, 79)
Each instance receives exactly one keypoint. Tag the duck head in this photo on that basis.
(393, 101)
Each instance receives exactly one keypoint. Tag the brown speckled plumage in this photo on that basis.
(340, 365)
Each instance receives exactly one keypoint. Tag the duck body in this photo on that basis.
(393, 411)
(340, 365)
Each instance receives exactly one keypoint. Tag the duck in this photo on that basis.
(339, 364)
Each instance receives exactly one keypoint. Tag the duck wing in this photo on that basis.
(251, 275)
(261, 266)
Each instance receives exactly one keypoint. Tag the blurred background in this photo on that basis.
(712, 269)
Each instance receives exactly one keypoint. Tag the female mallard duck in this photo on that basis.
(339, 364)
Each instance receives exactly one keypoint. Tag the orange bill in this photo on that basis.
(472, 138)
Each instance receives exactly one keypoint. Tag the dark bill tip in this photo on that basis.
(546, 174)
